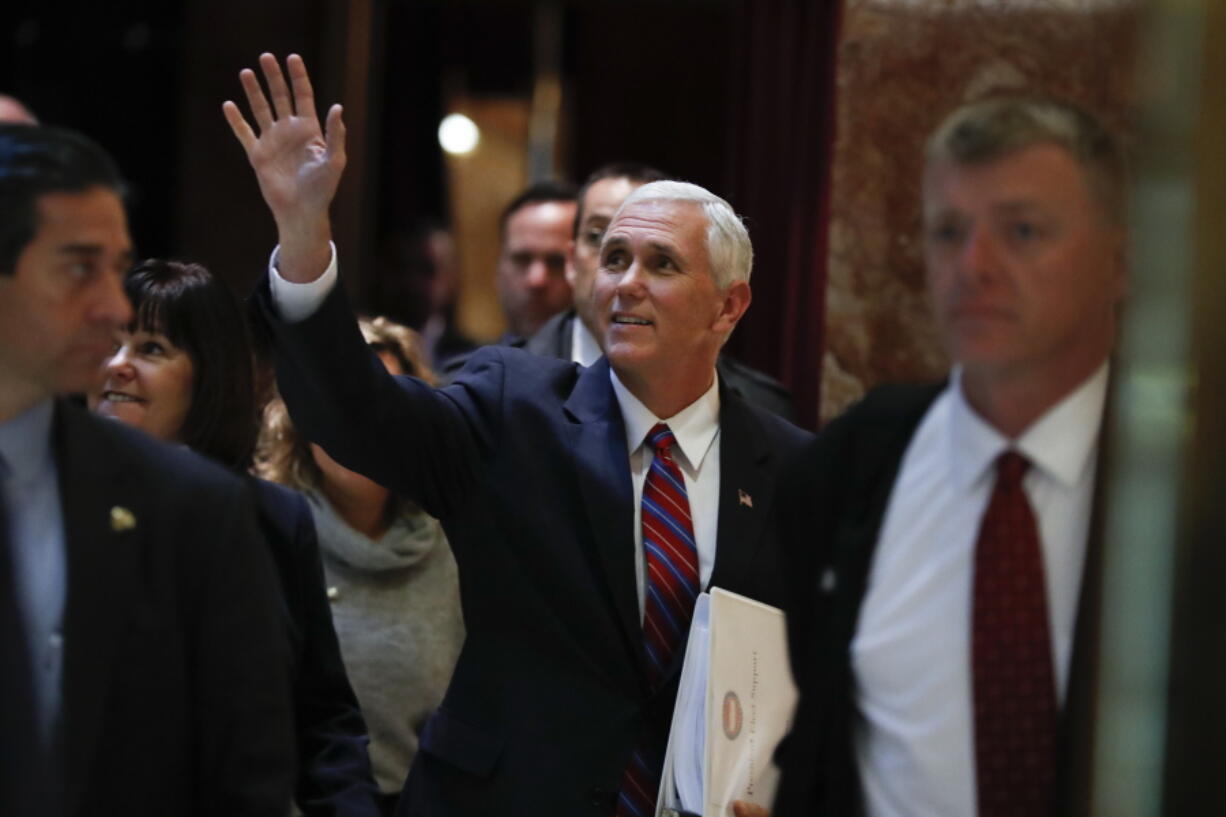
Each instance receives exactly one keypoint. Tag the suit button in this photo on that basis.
(601, 797)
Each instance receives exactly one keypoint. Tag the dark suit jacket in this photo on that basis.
(830, 507)
(175, 694)
(556, 337)
(334, 776)
(525, 461)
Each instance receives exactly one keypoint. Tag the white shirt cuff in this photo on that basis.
(293, 301)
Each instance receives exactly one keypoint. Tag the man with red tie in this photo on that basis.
(936, 538)
(586, 507)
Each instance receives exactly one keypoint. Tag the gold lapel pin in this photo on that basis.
(122, 519)
(745, 498)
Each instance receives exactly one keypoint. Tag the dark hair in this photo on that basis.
(635, 172)
(538, 193)
(36, 160)
(201, 316)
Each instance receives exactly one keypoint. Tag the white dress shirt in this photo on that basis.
(584, 349)
(914, 733)
(696, 429)
(296, 301)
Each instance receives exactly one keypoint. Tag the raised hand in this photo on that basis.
(298, 166)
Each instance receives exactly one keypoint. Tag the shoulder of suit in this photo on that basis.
(881, 421)
(132, 450)
(517, 362)
(756, 387)
(781, 432)
(452, 368)
(896, 401)
(735, 370)
(284, 506)
(286, 521)
(553, 338)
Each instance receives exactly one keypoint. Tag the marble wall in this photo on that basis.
(902, 66)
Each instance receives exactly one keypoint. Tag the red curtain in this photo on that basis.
(782, 133)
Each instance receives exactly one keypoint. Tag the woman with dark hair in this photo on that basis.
(183, 372)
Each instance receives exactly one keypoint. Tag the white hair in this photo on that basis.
(728, 246)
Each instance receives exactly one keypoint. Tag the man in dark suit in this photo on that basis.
(562, 697)
(155, 670)
(574, 333)
(937, 537)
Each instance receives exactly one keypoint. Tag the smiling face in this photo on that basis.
(148, 384)
(64, 298)
(1024, 266)
(661, 315)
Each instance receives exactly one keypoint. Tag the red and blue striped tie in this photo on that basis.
(672, 588)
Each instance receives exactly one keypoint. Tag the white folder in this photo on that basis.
(735, 703)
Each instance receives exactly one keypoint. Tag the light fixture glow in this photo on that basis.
(458, 134)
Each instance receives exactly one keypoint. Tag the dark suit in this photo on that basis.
(334, 776)
(175, 696)
(556, 339)
(525, 461)
(830, 507)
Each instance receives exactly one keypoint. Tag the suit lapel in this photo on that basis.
(890, 417)
(746, 488)
(602, 469)
(1075, 769)
(564, 336)
(101, 531)
(554, 339)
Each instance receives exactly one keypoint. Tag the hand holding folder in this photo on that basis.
(734, 705)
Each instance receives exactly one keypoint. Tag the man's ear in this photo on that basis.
(736, 300)
(570, 263)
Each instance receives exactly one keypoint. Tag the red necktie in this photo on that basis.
(1014, 685)
(672, 588)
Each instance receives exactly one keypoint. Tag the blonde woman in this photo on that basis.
(390, 575)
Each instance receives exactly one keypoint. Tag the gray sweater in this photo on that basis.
(396, 608)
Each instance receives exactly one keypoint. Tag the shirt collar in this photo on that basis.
(584, 349)
(1059, 443)
(694, 427)
(25, 441)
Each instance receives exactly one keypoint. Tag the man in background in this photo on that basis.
(531, 276)
(417, 284)
(936, 538)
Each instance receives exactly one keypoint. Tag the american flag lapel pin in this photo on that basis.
(745, 498)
